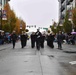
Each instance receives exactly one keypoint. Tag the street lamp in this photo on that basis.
(72, 24)
(1, 15)
(61, 27)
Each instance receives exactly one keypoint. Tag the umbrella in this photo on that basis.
(73, 32)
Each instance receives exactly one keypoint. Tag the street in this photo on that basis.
(28, 61)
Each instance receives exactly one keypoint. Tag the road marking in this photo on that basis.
(72, 62)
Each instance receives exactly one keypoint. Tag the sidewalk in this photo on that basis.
(4, 46)
(68, 48)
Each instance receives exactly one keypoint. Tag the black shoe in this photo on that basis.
(38, 49)
(32, 47)
(22, 47)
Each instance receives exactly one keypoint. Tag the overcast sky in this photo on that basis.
(36, 12)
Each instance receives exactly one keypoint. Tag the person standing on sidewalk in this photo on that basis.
(60, 40)
(14, 38)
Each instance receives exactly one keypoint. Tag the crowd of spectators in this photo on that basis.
(68, 38)
(5, 38)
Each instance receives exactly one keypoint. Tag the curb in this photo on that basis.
(69, 51)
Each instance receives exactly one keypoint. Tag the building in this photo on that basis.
(65, 5)
(3, 2)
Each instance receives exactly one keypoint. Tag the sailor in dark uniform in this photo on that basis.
(38, 39)
(33, 39)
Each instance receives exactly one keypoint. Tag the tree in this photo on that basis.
(11, 17)
(7, 9)
(6, 27)
(59, 28)
(23, 25)
(13, 20)
(54, 27)
(74, 17)
(17, 27)
(67, 24)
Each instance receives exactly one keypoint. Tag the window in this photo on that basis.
(4, 2)
(0, 1)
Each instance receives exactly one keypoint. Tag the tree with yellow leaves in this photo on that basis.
(74, 18)
(12, 22)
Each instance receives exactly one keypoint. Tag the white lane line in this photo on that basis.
(72, 62)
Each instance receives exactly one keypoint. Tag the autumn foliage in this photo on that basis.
(12, 22)
(74, 17)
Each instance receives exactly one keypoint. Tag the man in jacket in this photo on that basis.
(60, 40)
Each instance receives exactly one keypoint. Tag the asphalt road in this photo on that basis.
(29, 61)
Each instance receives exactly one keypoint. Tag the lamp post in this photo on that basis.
(1, 15)
(72, 24)
(61, 27)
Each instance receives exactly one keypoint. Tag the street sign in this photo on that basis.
(3, 11)
(20, 26)
(45, 28)
(4, 16)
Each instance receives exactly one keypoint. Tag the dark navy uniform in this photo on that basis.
(38, 39)
(50, 39)
(24, 40)
(42, 40)
(14, 38)
(33, 39)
